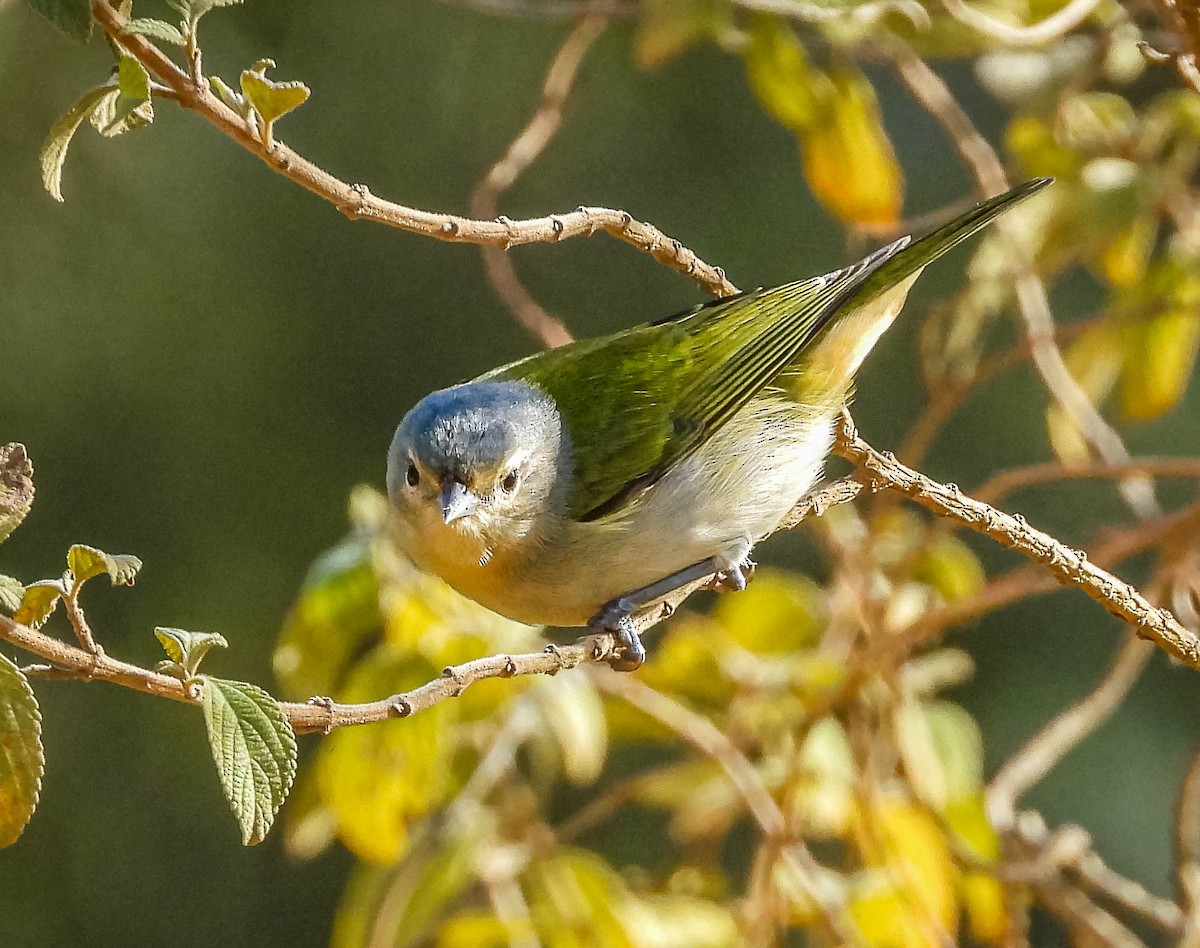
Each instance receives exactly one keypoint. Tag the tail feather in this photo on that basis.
(877, 290)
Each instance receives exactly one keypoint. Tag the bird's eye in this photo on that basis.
(413, 476)
(510, 482)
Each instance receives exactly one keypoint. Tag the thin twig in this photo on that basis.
(524, 150)
(1032, 301)
(318, 715)
(1005, 482)
(1064, 732)
(358, 203)
(1187, 850)
(711, 741)
(1053, 27)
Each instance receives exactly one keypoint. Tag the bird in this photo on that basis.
(581, 485)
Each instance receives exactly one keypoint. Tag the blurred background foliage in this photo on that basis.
(204, 361)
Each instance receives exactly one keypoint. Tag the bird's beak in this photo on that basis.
(457, 500)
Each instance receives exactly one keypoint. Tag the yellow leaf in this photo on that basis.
(1095, 360)
(886, 918)
(908, 842)
(573, 713)
(948, 565)
(778, 72)
(1160, 362)
(779, 613)
(379, 779)
(848, 158)
(982, 894)
(1124, 260)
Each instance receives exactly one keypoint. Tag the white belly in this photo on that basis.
(736, 487)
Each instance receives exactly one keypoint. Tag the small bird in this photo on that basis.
(583, 484)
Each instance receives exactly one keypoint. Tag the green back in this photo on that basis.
(651, 395)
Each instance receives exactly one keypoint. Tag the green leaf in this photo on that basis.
(187, 649)
(159, 30)
(271, 99)
(54, 151)
(197, 8)
(234, 100)
(71, 16)
(86, 562)
(22, 760)
(11, 594)
(16, 487)
(130, 108)
(38, 602)
(255, 751)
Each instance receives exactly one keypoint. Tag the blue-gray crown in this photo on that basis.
(473, 427)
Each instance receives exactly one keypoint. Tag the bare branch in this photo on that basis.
(358, 203)
(524, 150)
(1064, 732)
(1006, 482)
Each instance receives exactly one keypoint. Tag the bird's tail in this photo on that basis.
(877, 287)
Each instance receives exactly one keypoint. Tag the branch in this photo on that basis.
(358, 203)
(1069, 566)
(319, 714)
(1006, 482)
(1035, 34)
(524, 150)
(1064, 732)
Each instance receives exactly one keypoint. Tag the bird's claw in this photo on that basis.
(615, 619)
(734, 579)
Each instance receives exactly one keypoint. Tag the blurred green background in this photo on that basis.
(202, 360)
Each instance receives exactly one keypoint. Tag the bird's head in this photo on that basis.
(486, 460)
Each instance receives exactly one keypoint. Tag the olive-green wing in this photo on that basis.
(636, 403)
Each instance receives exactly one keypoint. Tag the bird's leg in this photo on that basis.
(734, 568)
(730, 569)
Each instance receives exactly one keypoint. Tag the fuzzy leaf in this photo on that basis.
(16, 487)
(71, 16)
(38, 602)
(130, 108)
(11, 594)
(254, 749)
(86, 562)
(54, 151)
(159, 30)
(187, 649)
(271, 99)
(22, 760)
(234, 100)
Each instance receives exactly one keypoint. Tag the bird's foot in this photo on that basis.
(735, 578)
(615, 618)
